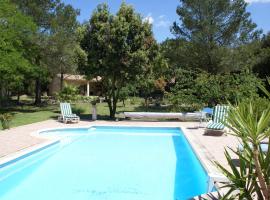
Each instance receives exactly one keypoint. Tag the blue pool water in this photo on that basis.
(108, 163)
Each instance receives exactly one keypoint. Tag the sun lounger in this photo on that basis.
(159, 115)
(219, 116)
(66, 114)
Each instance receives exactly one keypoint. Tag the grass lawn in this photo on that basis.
(28, 114)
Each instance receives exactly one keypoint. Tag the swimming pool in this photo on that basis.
(107, 163)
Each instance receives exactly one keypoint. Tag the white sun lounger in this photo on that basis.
(67, 115)
(158, 115)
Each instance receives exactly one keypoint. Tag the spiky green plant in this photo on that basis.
(251, 180)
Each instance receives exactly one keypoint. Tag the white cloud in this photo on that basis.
(257, 1)
(163, 22)
(149, 18)
(161, 16)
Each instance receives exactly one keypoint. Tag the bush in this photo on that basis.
(68, 94)
(78, 110)
(90, 99)
(251, 128)
(250, 123)
(135, 101)
(183, 95)
(5, 120)
(195, 89)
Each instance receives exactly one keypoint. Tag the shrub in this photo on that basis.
(5, 120)
(183, 95)
(89, 99)
(78, 110)
(250, 123)
(136, 100)
(195, 89)
(251, 127)
(68, 94)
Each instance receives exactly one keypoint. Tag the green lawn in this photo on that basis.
(28, 114)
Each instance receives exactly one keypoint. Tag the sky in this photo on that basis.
(162, 13)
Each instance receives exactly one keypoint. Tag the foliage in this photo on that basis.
(120, 49)
(214, 89)
(78, 110)
(68, 94)
(262, 67)
(5, 120)
(63, 44)
(193, 89)
(211, 27)
(252, 178)
(54, 46)
(250, 122)
(125, 92)
(177, 55)
(89, 99)
(16, 31)
(183, 95)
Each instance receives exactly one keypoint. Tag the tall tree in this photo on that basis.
(63, 42)
(54, 42)
(121, 49)
(42, 12)
(211, 24)
(263, 65)
(16, 31)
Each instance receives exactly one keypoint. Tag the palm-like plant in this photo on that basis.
(252, 179)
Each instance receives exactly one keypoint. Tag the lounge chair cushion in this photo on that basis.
(220, 114)
(216, 126)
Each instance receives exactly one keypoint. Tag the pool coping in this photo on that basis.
(207, 161)
(24, 153)
(205, 158)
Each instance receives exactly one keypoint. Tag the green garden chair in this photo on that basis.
(66, 114)
(219, 116)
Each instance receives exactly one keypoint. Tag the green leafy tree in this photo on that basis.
(196, 88)
(212, 27)
(120, 48)
(126, 92)
(16, 31)
(262, 67)
(183, 95)
(63, 42)
(54, 44)
(176, 52)
(42, 12)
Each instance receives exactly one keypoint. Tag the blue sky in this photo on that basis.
(162, 13)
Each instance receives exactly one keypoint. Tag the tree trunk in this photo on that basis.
(112, 104)
(38, 92)
(18, 98)
(1, 94)
(259, 173)
(114, 107)
(61, 81)
(110, 108)
(146, 102)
